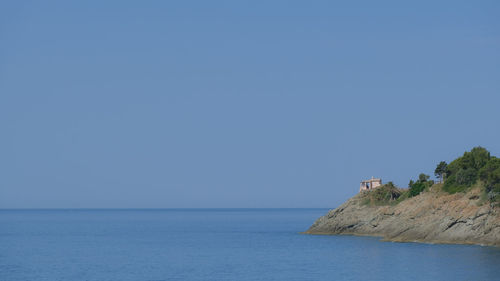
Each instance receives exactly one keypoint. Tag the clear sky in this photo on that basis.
(163, 104)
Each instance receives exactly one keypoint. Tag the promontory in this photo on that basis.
(462, 207)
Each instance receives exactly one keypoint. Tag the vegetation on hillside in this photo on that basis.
(476, 168)
(423, 182)
(383, 195)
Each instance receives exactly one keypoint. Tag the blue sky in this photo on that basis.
(166, 104)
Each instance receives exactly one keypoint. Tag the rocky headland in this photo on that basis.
(433, 216)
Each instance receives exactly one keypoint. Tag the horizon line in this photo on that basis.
(163, 208)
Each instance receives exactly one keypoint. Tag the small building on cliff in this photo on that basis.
(370, 184)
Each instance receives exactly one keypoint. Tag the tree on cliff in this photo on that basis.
(490, 175)
(423, 178)
(411, 183)
(463, 172)
(422, 183)
(440, 171)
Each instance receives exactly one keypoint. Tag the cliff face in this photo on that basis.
(432, 216)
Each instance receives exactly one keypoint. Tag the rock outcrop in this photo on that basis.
(431, 217)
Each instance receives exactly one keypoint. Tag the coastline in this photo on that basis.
(395, 240)
(433, 217)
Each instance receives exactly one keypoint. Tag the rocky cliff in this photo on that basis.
(432, 216)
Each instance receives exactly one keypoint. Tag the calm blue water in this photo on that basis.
(226, 244)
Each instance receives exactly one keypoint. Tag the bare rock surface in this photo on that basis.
(432, 217)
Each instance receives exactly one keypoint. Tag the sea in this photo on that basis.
(216, 244)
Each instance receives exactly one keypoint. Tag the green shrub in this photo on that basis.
(440, 171)
(490, 175)
(423, 177)
(489, 168)
(475, 159)
(451, 186)
(383, 195)
(420, 185)
(417, 188)
(465, 171)
(467, 176)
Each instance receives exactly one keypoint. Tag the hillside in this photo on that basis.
(433, 216)
(465, 213)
